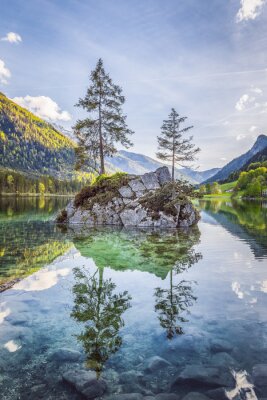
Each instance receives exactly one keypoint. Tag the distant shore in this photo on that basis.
(35, 195)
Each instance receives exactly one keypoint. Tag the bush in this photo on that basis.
(102, 190)
(62, 217)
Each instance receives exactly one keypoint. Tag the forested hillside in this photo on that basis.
(28, 143)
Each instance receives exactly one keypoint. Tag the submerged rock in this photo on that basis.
(155, 363)
(201, 377)
(86, 383)
(195, 396)
(167, 396)
(126, 396)
(259, 374)
(65, 354)
(149, 200)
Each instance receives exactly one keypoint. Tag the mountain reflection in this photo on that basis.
(244, 219)
(100, 309)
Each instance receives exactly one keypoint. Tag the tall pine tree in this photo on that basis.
(172, 145)
(105, 126)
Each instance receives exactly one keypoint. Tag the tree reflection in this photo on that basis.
(172, 304)
(100, 309)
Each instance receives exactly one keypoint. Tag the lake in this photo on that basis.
(102, 312)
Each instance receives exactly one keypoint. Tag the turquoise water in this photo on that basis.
(148, 312)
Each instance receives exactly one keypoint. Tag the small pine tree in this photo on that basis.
(106, 124)
(172, 145)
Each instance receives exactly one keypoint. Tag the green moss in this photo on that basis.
(62, 217)
(165, 199)
(102, 191)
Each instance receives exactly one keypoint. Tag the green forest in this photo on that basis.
(27, 143)
(13, 182)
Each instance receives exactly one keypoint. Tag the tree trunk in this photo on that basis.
(101, 150)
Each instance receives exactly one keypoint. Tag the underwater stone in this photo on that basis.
(218, 394)
(219, 345)
(126, 396)
(65, 354)
(155, 363)
(195, 396)
(259, 374)
(167, 396)
(203, 377)
(223, 360)
(85, 382)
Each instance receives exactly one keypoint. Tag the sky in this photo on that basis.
(205, 58)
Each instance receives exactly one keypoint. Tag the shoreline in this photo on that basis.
(35, 195)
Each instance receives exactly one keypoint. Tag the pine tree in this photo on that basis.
(105, 125)
(172, 145)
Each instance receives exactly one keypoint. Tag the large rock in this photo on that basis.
(201, 377)
(86, 383)
(132, 205)
(150, 181)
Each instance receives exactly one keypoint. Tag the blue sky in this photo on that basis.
(206, 58)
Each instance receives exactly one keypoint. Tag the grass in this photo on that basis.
(227, 191)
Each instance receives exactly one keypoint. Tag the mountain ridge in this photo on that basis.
(238, 162)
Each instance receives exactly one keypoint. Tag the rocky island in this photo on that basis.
(149, 200)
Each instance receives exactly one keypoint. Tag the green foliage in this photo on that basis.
(215, 188)
(27, 143)
(202, 190)
(105, 125)
(252, 182)
(19, 183)
(172, 145)
(208, 188)
(102, 190)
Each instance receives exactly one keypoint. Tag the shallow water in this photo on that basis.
(111, 300)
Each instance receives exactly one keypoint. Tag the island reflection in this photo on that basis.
(100, 307)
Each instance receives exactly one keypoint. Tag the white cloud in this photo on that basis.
(241, 104)
(249, 9)
(4, 72)
(256, 90)
(223, 159)
(12, 37)
(253, 128)
(44, 107)
(42, 280)
(240, 137)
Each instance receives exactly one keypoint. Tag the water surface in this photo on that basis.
(114, 300)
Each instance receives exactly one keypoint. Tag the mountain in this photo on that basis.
(32, 146)
(240, 161)
(138, 164)
(29, 144)
(199, 176)
(135, 163)
(261, 156)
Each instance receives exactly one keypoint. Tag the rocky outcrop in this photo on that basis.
(149, 200)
